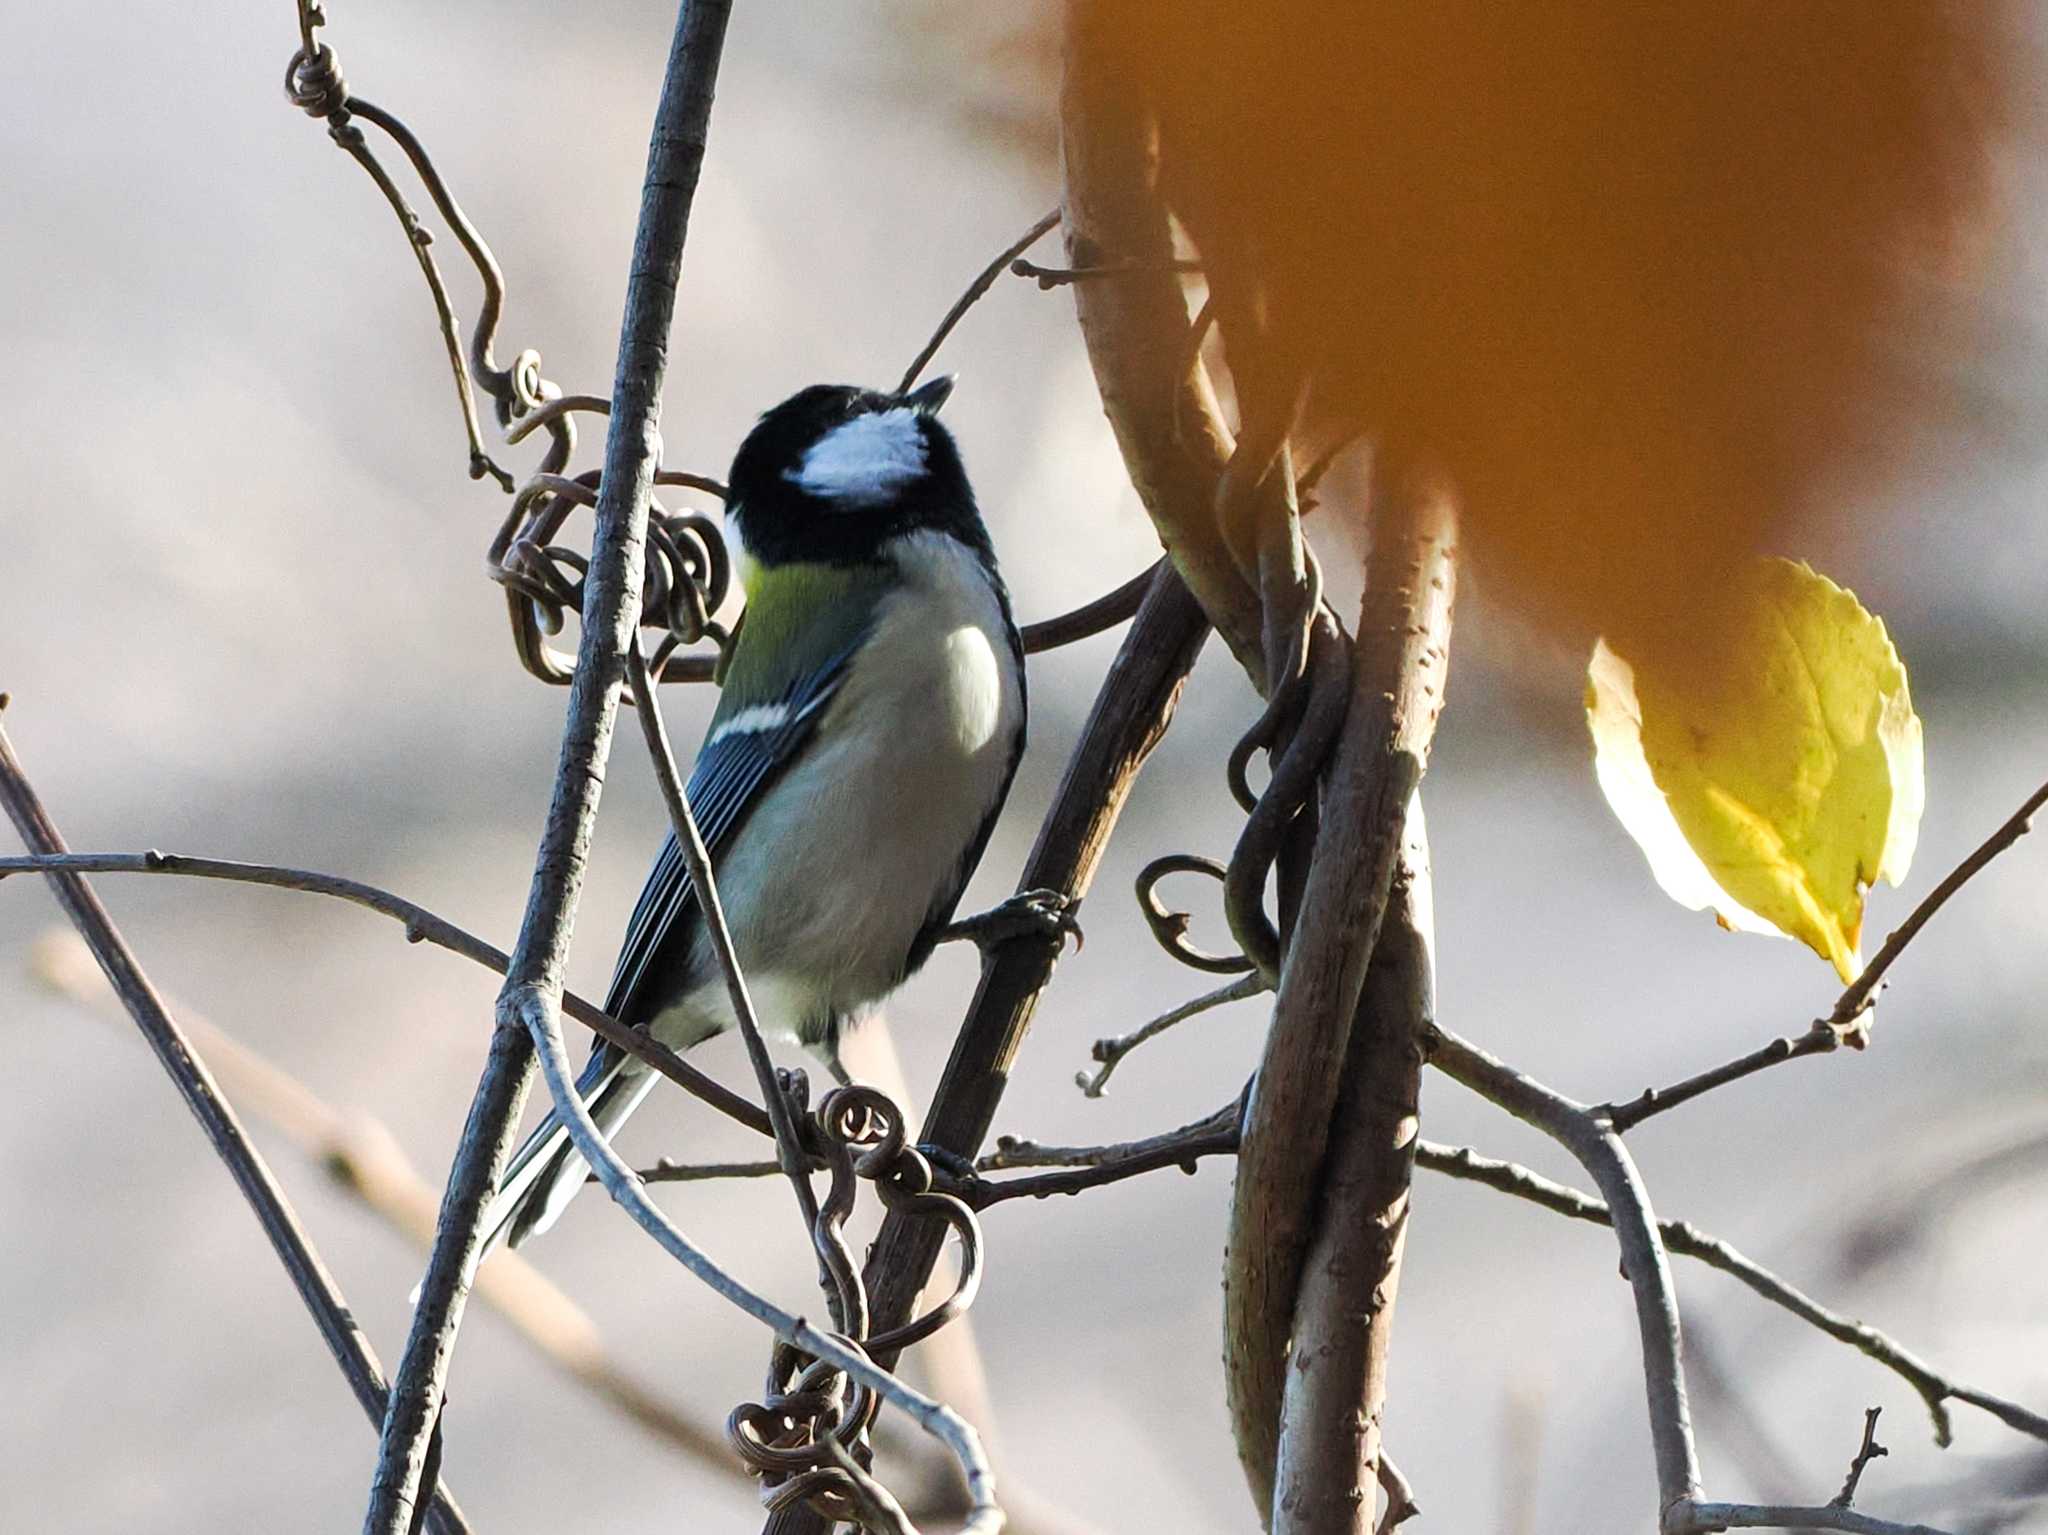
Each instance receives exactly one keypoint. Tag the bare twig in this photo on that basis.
(611, 608)
(1110, 1052)
(1091, 618)
(421, 926)
(984, 280)
(252, 1175)
(1681, 1237)
(1094, 1166)
(619, 1181)
(365, 1160)
(1400, 1493)
(1696, 1518)
(1866, 1452)
(1014, 1151)
(1822, 1038)
(1862, 992)
(1214, 1135)
(697, 859)
(1847, 1023)
(1600, 1151)
(1050, 277)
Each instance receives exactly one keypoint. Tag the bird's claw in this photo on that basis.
(1045, 914)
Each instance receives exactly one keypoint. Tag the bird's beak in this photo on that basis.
(926, 399)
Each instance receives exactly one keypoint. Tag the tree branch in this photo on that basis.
(252, 1175)
(1396, 693)
(361, 1157)
(611, 607)
(1688, 1241)
(789, 1147)
(1129, 718)
(984, 280)
(536, 1008)
(1330, 1448)
(1693, 1518)
(1154, 389)
(1109, 1053)
(421, 926)
(1846, 1024)
(1600, 1151)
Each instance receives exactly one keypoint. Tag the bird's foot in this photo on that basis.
(1044, 914)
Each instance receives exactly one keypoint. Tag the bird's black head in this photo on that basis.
(834, 472)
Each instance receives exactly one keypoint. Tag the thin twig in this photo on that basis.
(984, 280)
(611, 607)
(1401, 1505)
(1600, 1151)
(620, 1182)
(1862, 992)
(1681, 1237)
(1088, 1167)
(1110, 1052)
(1846, 1024)
(365, 1161)
(1866, 1452)
(1049, 277)
(252, 1174)
(1696, 1518)
(1090, 618)
(697, 859)
(421, 926)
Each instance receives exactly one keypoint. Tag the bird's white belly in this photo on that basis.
(833, 876)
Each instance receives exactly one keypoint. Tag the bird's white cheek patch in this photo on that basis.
(866, 461)
(976, 684)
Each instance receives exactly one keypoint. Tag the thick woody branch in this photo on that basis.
(1154, 389)
(611, 606)
(1128, 720)
(1396, 693)
(252, 1175)
(1330, 1421)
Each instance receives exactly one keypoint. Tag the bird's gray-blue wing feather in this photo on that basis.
(730, 772)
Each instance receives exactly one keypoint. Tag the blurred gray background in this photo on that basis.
(245, 614)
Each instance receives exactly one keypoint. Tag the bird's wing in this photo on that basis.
(804, 625)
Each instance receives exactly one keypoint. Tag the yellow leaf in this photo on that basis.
(1774, 772)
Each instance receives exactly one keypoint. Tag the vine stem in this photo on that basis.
(611, 605)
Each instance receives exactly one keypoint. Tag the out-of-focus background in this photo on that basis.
(245, 614)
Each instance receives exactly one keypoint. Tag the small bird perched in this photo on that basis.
(871, 719)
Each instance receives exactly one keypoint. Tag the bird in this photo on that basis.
(869, 725)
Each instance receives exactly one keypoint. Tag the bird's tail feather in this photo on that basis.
(547, 1172)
